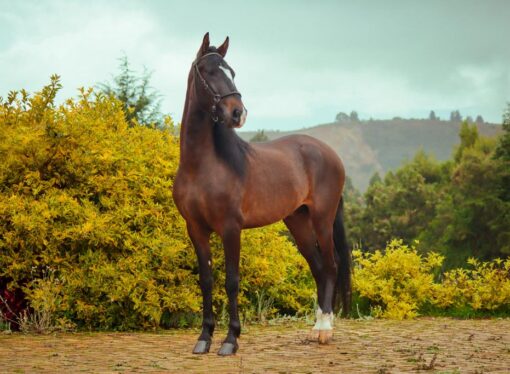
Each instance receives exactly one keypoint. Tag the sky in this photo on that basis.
(297, 63)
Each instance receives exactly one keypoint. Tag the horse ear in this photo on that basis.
(222, 49)
(205, 45)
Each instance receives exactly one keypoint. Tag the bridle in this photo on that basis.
(216, 96)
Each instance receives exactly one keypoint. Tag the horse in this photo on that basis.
(224, 185)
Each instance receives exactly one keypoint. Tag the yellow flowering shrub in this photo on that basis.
(485, 286)
(397, 282)
(400, 283)
(89, 230)
(90, 233)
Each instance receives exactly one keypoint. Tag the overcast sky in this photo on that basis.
(298, 63)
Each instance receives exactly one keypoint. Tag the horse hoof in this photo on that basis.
(228, 349)
(325, 336)
(314, 335)
(202, 347)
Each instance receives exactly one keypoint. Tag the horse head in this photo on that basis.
(214, 82)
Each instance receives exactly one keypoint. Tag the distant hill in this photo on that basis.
(373, 146)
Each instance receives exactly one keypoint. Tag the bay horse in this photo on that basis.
(225, 185)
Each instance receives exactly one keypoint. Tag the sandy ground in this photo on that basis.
(423, 345)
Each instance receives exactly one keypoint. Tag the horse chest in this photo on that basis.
(206, 201)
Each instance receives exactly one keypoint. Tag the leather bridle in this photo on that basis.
(216, 96)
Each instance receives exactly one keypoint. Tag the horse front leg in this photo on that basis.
(200, 240)
(232, 246)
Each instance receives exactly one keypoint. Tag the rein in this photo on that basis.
(216, 96)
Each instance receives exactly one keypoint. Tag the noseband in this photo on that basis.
(216, 96)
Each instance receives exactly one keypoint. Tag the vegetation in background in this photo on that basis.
(260, 136)
(460, 207)
(90, 237)
(343, 117)
(398, 282)
(140, 102)
(89, 231)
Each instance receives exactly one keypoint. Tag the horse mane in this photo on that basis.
(230, 148)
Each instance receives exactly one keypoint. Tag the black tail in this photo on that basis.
(343, 262)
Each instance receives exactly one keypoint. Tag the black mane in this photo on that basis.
(230, 148)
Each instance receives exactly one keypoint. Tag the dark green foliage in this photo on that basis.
(468, 137)
(140, 101)
(353, 209)
(354, 116)
(403, 204)
(460, 208)
(455, 116)
(503, 155)
(376, 178)
(260, 136)
(503, 149)
(342, 117)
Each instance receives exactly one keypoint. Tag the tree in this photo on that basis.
(342, 117)
(503, 155)
(354, 116)
(472, 219)
(260, 136)
(353, 209)
(468, 137)
(141, 102)
(432, 116)
(455, 116)
(503, 149)
(375, 178)
(469, 119)
(479, 120)
(402, 205)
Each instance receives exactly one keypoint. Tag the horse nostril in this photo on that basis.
(236, 115)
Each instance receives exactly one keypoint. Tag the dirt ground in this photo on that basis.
(425, 345)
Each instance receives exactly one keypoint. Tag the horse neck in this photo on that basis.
(196, 138)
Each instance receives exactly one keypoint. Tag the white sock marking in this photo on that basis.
(324, 321)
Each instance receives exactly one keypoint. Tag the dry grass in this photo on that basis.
(425, 345)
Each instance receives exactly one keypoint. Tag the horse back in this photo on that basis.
(287, 173)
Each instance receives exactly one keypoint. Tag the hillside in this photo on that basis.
(373, 146)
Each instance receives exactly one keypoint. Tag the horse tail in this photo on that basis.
(343, 262)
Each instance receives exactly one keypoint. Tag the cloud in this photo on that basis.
(296, 64)
(78, 42)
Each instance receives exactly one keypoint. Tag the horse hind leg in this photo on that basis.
(301, 228)
(323, 227)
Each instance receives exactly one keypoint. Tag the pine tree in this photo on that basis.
(141, 103)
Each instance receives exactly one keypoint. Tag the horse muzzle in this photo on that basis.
(239, 117)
